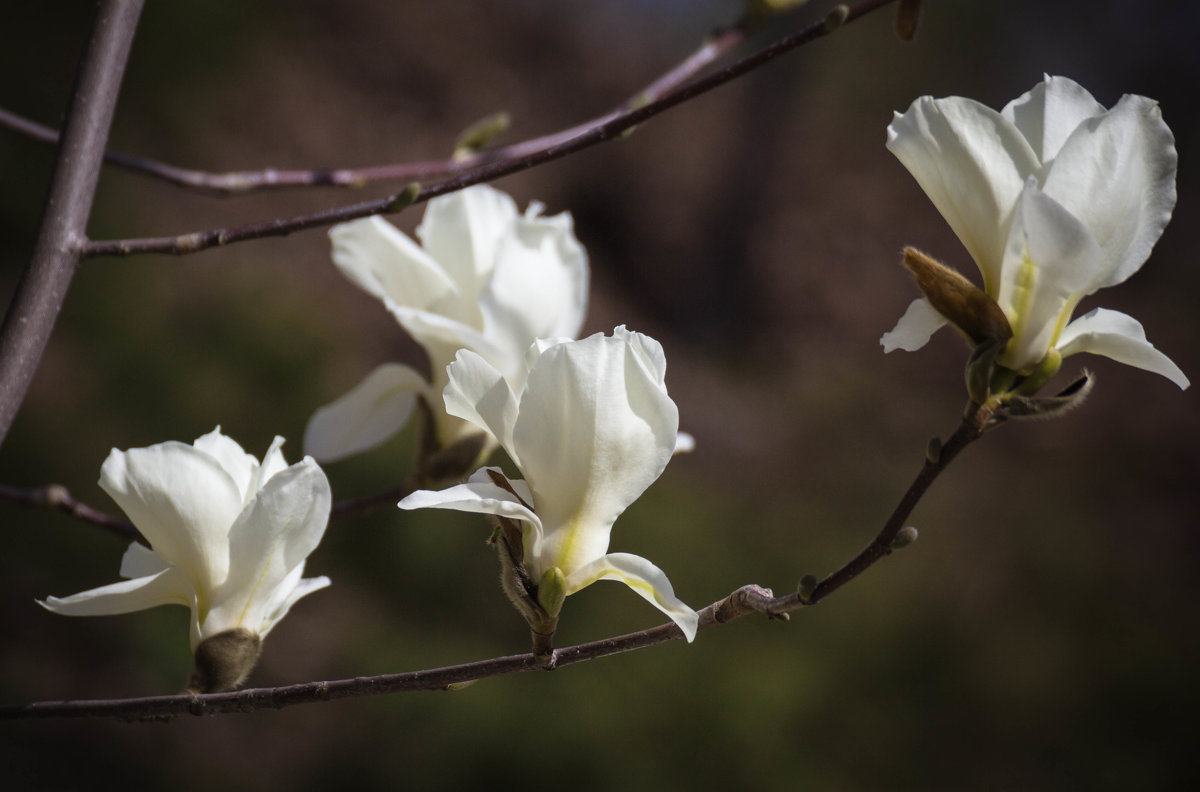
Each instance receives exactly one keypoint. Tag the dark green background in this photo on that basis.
(1042, 634)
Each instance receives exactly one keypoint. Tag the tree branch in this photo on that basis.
(741, 602)
(43, 285)
(242, 182)
(598, 131)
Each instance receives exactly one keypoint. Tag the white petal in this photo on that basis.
(477, 497)
(273, 462)
(1120, 337)
(972, 163)
(379, 259)
(169, 587)
(293, 588)
(1050, 112)
(241, 467)
(1116, 173)
(367, 415)
(442, 336)
(643, 577)
(461, 231)
(182, 500)
(478, 393)
(539, 286)
(920, 321)
(273, 536)
(1049, 261)
(141, 561)
(595, 428)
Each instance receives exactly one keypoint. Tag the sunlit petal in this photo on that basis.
(1120, 337)
(643, 577)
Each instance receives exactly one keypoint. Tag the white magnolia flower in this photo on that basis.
(590, 430)
(1054, 197)
(228, 536)
(485, 278)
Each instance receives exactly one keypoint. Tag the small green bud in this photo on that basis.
(405, 198)
(836, 17)
(479, 135)
(981, 367)
(552, 590)
(808, 584)
(904, 537)
(933, 451)
(223, 661)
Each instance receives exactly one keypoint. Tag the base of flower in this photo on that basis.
(223, 661)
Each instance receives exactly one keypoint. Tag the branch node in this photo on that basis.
(836, 17)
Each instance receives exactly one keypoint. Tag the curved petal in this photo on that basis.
(293, 588)
(539, 285)
(378, 258)
(272, 463)
(643, 577)
(241, 467)
(366, 416)
(919, 322)
(972, 163)
(1120, 337)
(182, 500)
(442, 336)
(141, 561)
(169, 587)
(273, 536)
(1048, 113)
(1116, 173)
(478, 393)
(596, 427)
(478, 497)
(461, 231)
(1049, 261)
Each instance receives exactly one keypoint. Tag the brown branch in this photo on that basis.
(599, 131)
(243, 182)
(741, 602)
(43, 285)
(56, 496)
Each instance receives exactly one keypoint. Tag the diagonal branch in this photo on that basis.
(43, 285)
(605, 128)
(741, 602)
(242, 182)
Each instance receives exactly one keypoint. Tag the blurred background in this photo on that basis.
(1043, 633)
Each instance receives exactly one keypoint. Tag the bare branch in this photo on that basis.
(56, 496)
(741, 602)
(234, 183)
(43, 285)
(599, 130)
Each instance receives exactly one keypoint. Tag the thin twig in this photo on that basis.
(243, 182)
(741, 602)
(56, 496)
(604, 129)
(43, 285)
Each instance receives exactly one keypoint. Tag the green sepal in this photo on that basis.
(551, 591)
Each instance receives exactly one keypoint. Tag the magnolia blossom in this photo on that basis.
(485, 278)
(1054, 197)
(591, 428)
(228, 535)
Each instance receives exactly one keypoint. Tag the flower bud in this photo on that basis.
(223, 661)
(964, 304)
(836, 17)
(480, 135)
(904, 537)
(808, 584)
